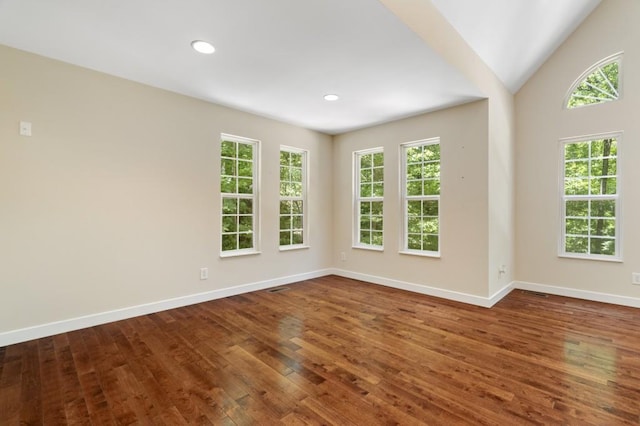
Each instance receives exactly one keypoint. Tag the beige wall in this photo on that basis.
(541, 122)
(114, 200)
(463, 201)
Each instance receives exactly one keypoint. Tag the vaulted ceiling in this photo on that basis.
(278, 58)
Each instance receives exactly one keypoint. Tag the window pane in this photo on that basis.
(285, 222)
(229, 206)
(245, 223)
(376, 238)
(245, 186)
(576, 150)
(245, 168)
(228, 185)
(414, 208)
(228, 149)
(414, 171)
(376, 208)
(378, 159)
(414, 188)
(430, 243)
(297, 237)
(603, 227)
(229, 224)
(577, 226)
(601, 208)
(378, 175)
(365, 237)
(245, 151)
(378, 190)
(297, 207)
(296, 159)
(577, 208)
(432, 187)
(229, 242)
(376, 223)
(296, 222)
(576, 186)
(285, 158)
(245, 241)
(603, 246)
(366, 175)
(414, 242)
(365, 207)
(366, 190)
(576, 169)
(246, 206)
(578, 245)
(366, 161)
(430, 207)
(285, 238)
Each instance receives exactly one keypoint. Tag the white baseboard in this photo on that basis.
(50, 329)
(485, 302)
(578, 294)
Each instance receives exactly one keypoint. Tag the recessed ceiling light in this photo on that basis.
(331, 97)
(203, 47)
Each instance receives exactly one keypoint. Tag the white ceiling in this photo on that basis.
(277, 58)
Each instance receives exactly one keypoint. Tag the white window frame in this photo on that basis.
(404, 202)
(617, 57)
(617, 257)
(358, 198)
(254, 196)
(303, 198)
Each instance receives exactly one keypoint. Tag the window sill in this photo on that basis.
(597, 258)
(369, 248)
(238, 253)
(291, 248)
(434, 254)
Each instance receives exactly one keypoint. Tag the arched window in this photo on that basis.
(600, 83)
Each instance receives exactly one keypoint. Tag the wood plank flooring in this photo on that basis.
(336, 351)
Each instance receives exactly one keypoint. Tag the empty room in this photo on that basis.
(362, 212)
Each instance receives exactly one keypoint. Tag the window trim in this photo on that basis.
(404, 243)
(255, 196)
(562, 253)
(355, 240)
(305, 198)
(616, 57)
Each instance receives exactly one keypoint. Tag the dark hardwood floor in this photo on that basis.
(336, 351)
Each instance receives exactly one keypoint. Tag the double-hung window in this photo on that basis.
(420, 177)
(591, 197)
(369, 199)
(239, 159)
(293, 198)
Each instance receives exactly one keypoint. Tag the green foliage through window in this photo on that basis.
(237, 187)
(590, 197)
(598, 84)
(293, 165)
(369, 200)
(421, 181)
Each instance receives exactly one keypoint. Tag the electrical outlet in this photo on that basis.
(635, 278)
(204, 273)
(343, 256)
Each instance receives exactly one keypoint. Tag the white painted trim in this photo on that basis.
(71, 324)
(578, 294)
(485, 302)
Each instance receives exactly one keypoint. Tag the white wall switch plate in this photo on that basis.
(25, 128)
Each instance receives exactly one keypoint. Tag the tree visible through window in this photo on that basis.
(591, 197)
(293, 190)
(369, 199)
(238, 188)
(598, 84)
(421, 196)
